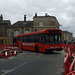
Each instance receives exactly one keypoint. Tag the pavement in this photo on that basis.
(32, 63)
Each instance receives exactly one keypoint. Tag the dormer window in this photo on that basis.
(41, 24)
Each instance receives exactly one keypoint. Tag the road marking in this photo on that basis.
(24, 53)
(8, 71)
(5, 70)
(11, 57)
(21, 54)
(39, 55)
(32, 53)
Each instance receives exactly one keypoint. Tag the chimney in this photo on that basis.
(1, 17)
(35, 14)
(25, 18)
(46, 14)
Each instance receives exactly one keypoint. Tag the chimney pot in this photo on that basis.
(25, 18)
(36, 14)
(1, 17)
(46, 14)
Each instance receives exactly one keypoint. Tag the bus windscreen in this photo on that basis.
(51, 39)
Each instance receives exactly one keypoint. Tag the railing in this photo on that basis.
(7, 50)
(69, 61)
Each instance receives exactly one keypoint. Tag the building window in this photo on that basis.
(41, 24)
(16, 32)
(26, 31)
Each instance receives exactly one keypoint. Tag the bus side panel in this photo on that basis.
(41, 47)
(28, 46)
(60, 47)
(57, 47)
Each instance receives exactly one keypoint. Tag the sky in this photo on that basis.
(63, 10)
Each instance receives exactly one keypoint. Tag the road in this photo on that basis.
(32, 63)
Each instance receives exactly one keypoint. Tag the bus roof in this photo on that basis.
(38, 32)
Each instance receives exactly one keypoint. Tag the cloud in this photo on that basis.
(63, 10)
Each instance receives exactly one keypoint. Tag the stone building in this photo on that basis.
(67, 36)
(45, 22)
(4, 24)
(38, 23)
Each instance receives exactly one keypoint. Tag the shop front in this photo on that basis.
(3, 40)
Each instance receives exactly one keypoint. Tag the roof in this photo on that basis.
(5, 21)
(38, 32)
(49, 17)
(44, 16)
(22, 24)
(66, 32)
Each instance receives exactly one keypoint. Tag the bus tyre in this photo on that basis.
(51, 52)
(36, 48)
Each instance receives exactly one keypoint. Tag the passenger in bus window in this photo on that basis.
(43, 40)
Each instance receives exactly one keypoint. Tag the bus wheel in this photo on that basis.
(36, 48)
(51, 52)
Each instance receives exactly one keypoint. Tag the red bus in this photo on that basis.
(41, 41)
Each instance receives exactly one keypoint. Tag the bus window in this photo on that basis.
(32, 38)
(55, 39)
(24, 38)
(42, 38)
(36, 38)
(20, 38)
(59, 39)
(52, 39)
(27, 38)
(49, 39)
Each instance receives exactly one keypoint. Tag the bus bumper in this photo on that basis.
(49, 50)
(60, 49)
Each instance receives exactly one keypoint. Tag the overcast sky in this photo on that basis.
(63, 10)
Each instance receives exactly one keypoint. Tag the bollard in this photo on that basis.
(69, 67)
(6, 54)
(66, 64)
(71, 73)
(72, 66)
(64, 59)
(70, 52)
(14, 52)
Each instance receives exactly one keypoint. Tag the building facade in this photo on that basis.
(45, 22)
(38, 23)
(4, 24)
(67, 36)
